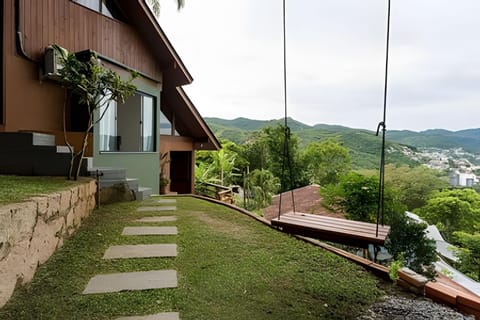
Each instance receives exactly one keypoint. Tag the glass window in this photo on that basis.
(165, 125)
(105, 7)
(130, 126)
(91, 4)
(108, 127)
(148, 123)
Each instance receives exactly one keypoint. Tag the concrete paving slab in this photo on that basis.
(158, 316)
(158, 219)
(167, 201)
(157, 208)
(149, 231)
(116, 282)
(141, 251)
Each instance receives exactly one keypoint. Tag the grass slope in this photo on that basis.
(18, 188)
(229, 267)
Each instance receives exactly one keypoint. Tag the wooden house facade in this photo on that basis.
(126, 37)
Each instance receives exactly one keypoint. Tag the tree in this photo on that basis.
(356, 195)
(468, 254)
(407, 240)
(453, 210)
(262, 184)
(155, 5)
(94, 86)
(255, 152)
(291, 172)
(414, 186)
(326, 162)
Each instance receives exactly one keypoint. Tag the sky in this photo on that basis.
(335, 60)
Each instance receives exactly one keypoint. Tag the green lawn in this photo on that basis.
(18, 188)
(229, 267)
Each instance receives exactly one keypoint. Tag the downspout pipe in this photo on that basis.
(19, 35)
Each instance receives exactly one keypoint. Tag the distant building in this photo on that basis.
(463, 179)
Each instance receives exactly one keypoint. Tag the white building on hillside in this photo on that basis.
(463, 179)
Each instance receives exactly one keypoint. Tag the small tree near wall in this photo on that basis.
(94, 86)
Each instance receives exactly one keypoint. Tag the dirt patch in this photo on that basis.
(307, 200)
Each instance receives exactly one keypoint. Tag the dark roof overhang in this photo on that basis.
(178, 108)
(142, 19)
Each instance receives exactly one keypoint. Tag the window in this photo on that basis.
(129, 127)
(105, 7)
(108, 127)
(148, 123)
(166, 125)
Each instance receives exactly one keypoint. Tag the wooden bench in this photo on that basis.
(354, 233)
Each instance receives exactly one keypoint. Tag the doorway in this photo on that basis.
(181, 172)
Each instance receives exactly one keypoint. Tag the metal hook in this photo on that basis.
(381, 124)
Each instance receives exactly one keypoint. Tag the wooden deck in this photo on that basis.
(354, 233)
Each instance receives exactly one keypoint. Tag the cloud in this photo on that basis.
(335, 60)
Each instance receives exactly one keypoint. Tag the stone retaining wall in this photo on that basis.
(31, 231)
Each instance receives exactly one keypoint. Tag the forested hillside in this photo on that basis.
(469, 139)
(364, 145)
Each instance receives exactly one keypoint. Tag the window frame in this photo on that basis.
(141, 126)
(102, 8)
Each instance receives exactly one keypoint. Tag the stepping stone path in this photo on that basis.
(141, 251)
(116, 282)
(158, 316)
(149, 231)
(144, 280)
(167, 201)
(159, 208)
(158, 219)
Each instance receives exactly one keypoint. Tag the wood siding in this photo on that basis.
(77, 28)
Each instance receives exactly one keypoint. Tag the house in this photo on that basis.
(158, 120)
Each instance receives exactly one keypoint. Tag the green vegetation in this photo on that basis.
(326, 162)
(395, 266)
(229, 265)
(468, 140)
(357, 196)
(94, 87)
(363, 145)
(19, 188)
(413, 186)
(453, 210)
(469, 254)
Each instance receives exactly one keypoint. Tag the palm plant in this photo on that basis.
(155, 5)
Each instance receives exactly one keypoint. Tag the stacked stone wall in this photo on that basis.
(32, 230)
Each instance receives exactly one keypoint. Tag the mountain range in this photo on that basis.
(363, 144)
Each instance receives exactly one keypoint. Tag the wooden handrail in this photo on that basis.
(215, 191)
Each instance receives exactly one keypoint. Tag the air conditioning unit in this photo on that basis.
(52, 63)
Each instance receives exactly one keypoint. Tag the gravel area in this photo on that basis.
(419, 308)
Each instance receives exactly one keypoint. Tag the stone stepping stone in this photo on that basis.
(116, 282)
(141, 251)
(167, 201)
(157, 219)
(158, 316)
(157, 208)
(149, 231)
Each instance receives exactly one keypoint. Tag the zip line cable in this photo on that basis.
(383, 126)
(286, 159)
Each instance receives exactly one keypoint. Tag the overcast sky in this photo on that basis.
(335, 58)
